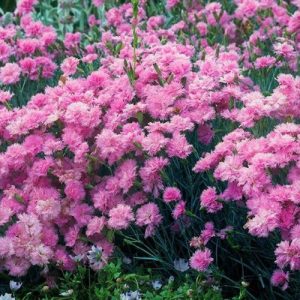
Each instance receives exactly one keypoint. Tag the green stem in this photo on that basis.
(135, 6)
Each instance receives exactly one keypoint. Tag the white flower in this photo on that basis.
(125, 296)
(136, 295)
(97, 258)
(156, 284)
(7, 297)
(14, 286)
(181, 265)
(131, 296)
(127, 260)
(216, 288)
(67, 293)
(171, 279)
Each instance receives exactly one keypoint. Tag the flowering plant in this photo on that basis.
(114, 136)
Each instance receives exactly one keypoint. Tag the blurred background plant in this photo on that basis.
(8, 5)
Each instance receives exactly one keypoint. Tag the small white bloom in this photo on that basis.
(156, 284)
(14, 286)
(96, 258)
(216, 288)
(131, 296)
(171, 279)
(127, 260)
(125, 296)
(135, 295)
(181, 265)
(67, 293)
(7, 297)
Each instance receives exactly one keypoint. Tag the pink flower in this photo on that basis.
(5, 96)
(126, 174)
(262, 223)
(98, 3)
(72, 40)
(264, 62)
(41, 255)
(25, 6)
(154, 142)
(148, 214)
(114, 17)
(205, 134)
(137, 198)
(178, 146)
(202, 28)
(10, 73)
(17, 266)
(280, 278)
(69, 65)
(74, 190)
(171, 194)
(5, 51)
(86, 115)
(120, 217)
(150, 174)
(95, 225)
(288, 254)
(93, 21)
(5, 215)
(48, 209)
(201, 259)
(89, 58)
(209, 201)
(82, 213)
(65, 260)
(295, 232)
(71, 236)
(172, 3)
(28, 46)
(294, 22)
(208, 232)
(29, 67)
(6, 247)
(232, 192)
(179, 210)
(46, 65)
(110, 145)
(98, 79)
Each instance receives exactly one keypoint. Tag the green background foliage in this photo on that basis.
(8, 5)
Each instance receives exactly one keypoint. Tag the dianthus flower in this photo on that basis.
(69, 66)
(120, 217)
(171, 194)
(209, 201)
(201, 259)
(10, 73)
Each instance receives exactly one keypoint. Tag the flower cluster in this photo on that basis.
(86, 157)
(263, 172)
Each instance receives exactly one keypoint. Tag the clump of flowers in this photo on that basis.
(264, 173)
(88, 156)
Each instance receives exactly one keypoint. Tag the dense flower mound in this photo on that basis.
(86, 157)
(250, 166)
